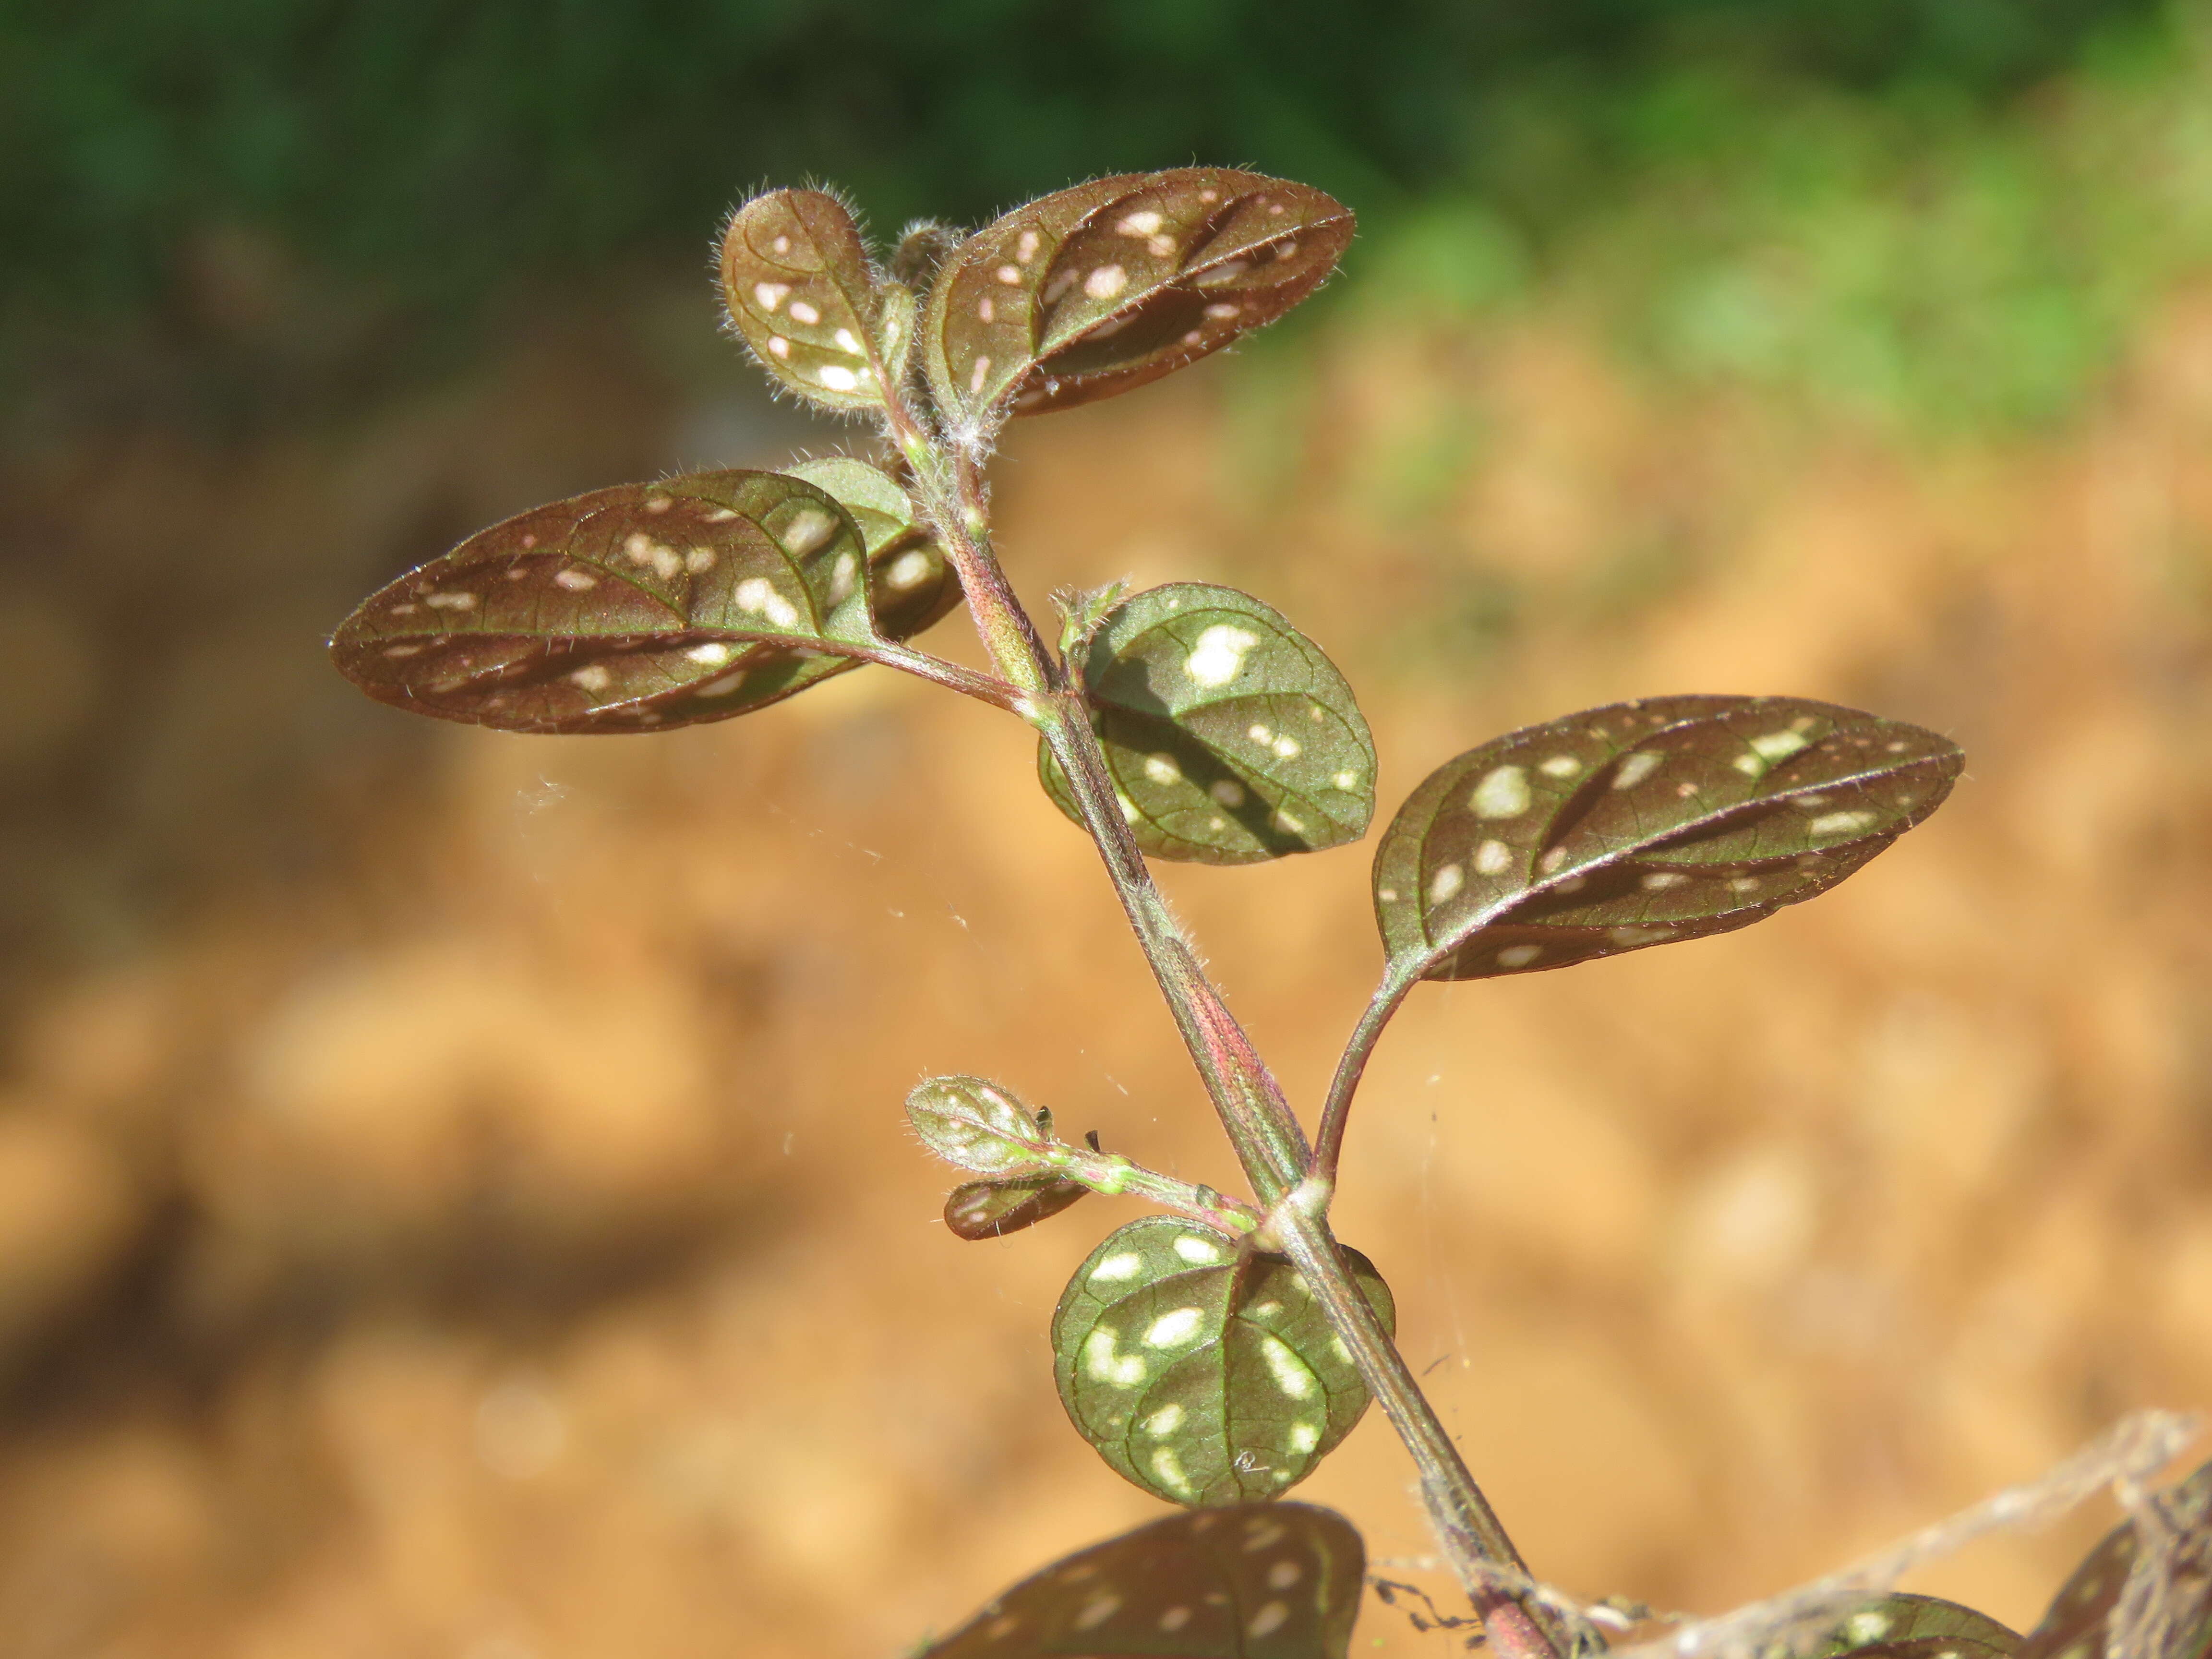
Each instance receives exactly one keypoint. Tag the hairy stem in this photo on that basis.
(1260, 1125)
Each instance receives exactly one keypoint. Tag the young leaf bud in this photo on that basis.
(979, 1127)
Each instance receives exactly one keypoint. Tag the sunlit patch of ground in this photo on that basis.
(476, 1219)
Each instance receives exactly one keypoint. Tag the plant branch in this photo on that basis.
(1328, 1139)
(984, 688)
(1114, 1176)
(1265, 1133)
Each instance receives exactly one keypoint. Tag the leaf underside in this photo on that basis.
(1095, 290)
(798, 285)
(1206, 1376)
(1229, 737)
(1900, 1626)
(1642, 823)
(645, 607)
(1259, 1581)
(2080, 1619)
(992, 1209)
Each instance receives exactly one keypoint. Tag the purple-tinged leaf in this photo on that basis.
(1259, 1581)
(641, 608)
(1229, 737)
(992, 1209)
(1204, 1373)
(1095, 290)
(977, 1125)
(1900, 1626)
(2085, 1615)
(1642, 823)
(800, 287)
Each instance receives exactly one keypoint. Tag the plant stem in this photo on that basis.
(1116, 1176)
(1328, 1139)
(1265, 1132)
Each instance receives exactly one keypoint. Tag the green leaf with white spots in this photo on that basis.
(1900, 1626)
(1205, 1374)
(978, 1126)
(641, 608)
(800, 289)
(2083, 1615)
(1641, 823)
(911, 584)
(1229, 737)
(1259, 1581)
(1095, 290)
(992, 1209)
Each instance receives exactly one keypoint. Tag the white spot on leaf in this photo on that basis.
(1121, 1265)
(804, 313)
(1289, 1371)
(1493, 858)
(1519, 955)
(1105, 281)
(1502, 793)
(1200, 1252)
(1218, 657)
(1172, 1330)
(909, 569)
(838, 378)
(1561, 766)
(757, 597)
(770, 295)
(1269, 1619)
(1227, 791)
(1637, 768)
(1839, 823)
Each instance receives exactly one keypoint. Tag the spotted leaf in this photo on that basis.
(1229, 737)
(1900, 1626)
(992, 1209)
(799, 286)
(637, 608)
(1205, 1374)
(978, 1126)
(1259, 1581)
(1097, 290)
(1643, 823)
(2081, 1618)
(911, 584)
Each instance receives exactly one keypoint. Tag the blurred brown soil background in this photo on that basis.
(454, 1195)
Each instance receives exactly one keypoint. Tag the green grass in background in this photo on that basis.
(1937, 209)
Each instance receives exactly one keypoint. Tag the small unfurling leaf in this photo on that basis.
(992, 1209)
(1094, 290)
(1641, 823)
(978, 1126)
(1258, 1581)
(799, 286)
(1229, 737)
(1205, 1374)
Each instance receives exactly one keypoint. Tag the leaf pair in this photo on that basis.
(1262, 1580)
(1204, 1373)
(1076, 296)
(647, 606)
(1642, 823)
